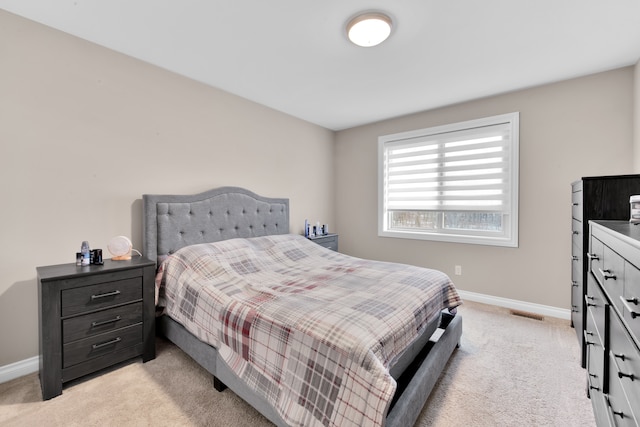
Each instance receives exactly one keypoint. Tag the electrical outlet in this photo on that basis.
(458, 270)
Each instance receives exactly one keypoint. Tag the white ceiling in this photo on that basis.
(293, 55)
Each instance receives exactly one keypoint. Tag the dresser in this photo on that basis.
(593, 198)
(93, 317)
(612, 329)
(329, 241)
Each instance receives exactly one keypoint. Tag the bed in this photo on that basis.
(365, 376)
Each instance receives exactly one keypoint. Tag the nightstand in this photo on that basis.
(93, 317)
(329, 241)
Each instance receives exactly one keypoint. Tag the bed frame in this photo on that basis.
(171, 222)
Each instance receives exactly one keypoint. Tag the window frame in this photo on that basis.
(509, 237)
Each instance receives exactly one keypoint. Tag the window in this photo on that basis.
(453, 183)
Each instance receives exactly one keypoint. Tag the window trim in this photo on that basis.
(511, 237)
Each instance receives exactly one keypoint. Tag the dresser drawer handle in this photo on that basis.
(586, 335)
(620, 373)
(607, 274)
(575, 204)
(104, 344)
(108, 294)
(592, 256)
(613, 411)
(626, 301)
(104, 322)
(574, 283)
(587, 299)
(575, 258)
(575, 232)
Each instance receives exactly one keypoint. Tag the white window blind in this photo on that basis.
(454, 183)
(460, 170)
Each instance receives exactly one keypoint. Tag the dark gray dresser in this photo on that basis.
(612, 331)
(93, 317)
(593, 198)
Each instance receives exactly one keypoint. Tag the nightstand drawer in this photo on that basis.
(103, 295)
(100, 322)
(100, 345)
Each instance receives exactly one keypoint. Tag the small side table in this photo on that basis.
(92, 317)
(329, 241)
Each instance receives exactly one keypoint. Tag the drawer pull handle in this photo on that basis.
(613, 411)
(626, 302)
(586, 341)
(620, 373)
(592, 256)
(574, 283)
(607, 274)
(619, 356)
(574, 232)
(575, 204)
(575, 258)
(104, 322)
(108, 294)
(104, 344)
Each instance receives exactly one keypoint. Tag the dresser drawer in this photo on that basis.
(624, 367)
(576, 276)
(631, 304)
(89, 298)
(597, 306)
(576, 234)
(576, 204)
(618, 409)
(87, 325)
(595, 358)
(613, 276)
(100, 345)
(596, 257)
(599, 402)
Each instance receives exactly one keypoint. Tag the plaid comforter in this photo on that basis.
(311, 330)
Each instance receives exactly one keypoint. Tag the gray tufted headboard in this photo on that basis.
(171, 222)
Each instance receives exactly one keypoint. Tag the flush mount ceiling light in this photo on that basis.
(369, 29)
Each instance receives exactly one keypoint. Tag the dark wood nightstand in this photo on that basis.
(93, 317)
(329, 241)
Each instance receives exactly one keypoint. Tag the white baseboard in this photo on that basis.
(19, 369)
(544, 310)
(28, 366)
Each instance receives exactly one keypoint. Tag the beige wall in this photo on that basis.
(571, 129)
(84, 132)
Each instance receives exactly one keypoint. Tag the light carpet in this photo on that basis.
(508, 371)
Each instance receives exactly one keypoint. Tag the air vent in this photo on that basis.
(526, 314)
